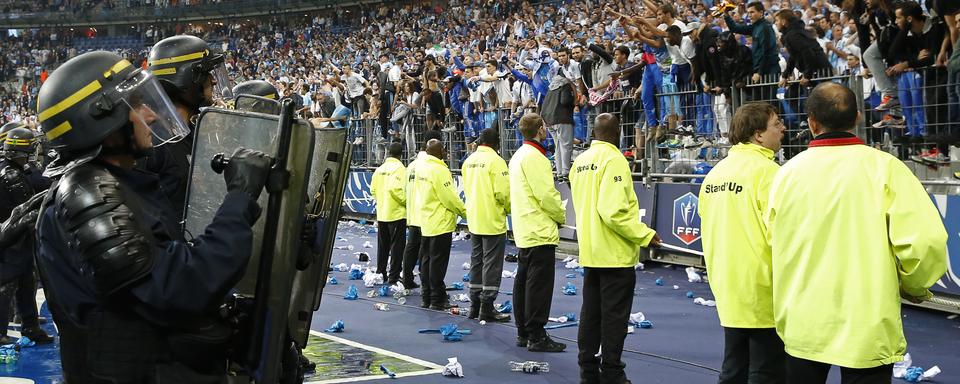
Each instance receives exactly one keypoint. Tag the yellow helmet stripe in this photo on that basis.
(164, 71)
(69, 101)
(271, 96)
(177, 59)
(116, 68)
(17, 141)
(59, 130)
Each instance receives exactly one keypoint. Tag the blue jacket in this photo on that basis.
(766, 56)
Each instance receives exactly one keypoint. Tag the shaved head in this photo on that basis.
(435, 148)
(606, 127)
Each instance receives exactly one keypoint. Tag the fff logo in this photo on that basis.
(686, 221)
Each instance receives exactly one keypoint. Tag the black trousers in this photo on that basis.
(22, 289)
(533, 289)
(812, 372)
(391, 241)
(752, 355)
(486, 266)
(412, 254)
(434, 269)
(607, 301)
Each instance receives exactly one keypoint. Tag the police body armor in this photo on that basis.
(119, 337)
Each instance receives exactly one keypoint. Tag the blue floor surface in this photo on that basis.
(684, 346)
(684, 335)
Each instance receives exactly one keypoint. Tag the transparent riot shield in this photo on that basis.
(331, 166)
(251, 103)
(269, 277)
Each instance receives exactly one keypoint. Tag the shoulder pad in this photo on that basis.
(90, 206)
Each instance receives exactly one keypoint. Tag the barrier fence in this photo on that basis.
(694, 125)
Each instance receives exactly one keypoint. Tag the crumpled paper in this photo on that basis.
(352, 293)
(907, 371)
(508, 274)
(569, 289)
(332, 280)
(636, 318)
(572, 264)
(466, 266)
(366, 244)
(506, 307)
(693, 276)
(450, 332)
(704, 302)
(336, 327)
(466, 276)
(453, 368)
(370, 278)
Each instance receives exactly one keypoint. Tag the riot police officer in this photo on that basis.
(20, 179)
(191, 73)
(133, 301)
(265, 97)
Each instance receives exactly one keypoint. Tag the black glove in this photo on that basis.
(247, 172)
(22, 218)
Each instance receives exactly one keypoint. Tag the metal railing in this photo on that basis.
(696, 123)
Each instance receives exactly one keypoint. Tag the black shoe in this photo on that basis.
(474, 310)
(393, 282)
(425, 303)
(522, 342)
(37, 335)
(487, 313)
(442, 306)
(4, 340)
(411, 285)
(546, 344)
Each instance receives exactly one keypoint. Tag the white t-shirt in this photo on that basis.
(394, 74)
(354, 84)
(684, 52)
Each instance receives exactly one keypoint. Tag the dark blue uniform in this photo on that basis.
(163, 326)
(16, 261)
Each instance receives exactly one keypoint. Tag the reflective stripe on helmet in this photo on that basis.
(59, 130)
(69, 101)
(177, 59)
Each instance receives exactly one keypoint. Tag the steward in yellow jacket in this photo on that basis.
(440, 207)
(733, 198)
(610, 235)
(536, 213)
(486, 187)
(852, 231)
(414, 251)
(388, 188)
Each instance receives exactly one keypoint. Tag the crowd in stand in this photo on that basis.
(465, 62)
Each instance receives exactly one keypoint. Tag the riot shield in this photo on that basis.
(277, 234)
(251, 103)
(331, 166)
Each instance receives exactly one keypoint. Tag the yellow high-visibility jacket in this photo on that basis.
(486, 187)
(536, 208)
(413, 200)
(388, 188)
(440, 203)
(733, 198)
(609, 230)
(850, 226)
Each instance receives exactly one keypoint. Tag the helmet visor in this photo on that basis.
(150, 106)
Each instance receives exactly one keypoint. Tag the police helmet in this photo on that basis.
(93, 95)
(19, 142)
(257, 96)
(6, 128)
(257, 88)
(183, 63)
